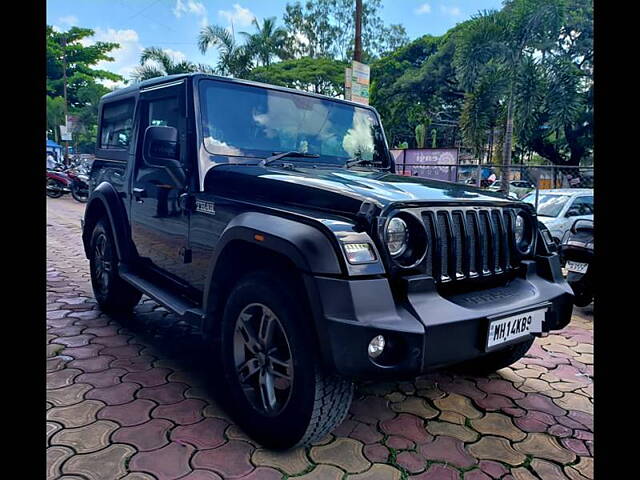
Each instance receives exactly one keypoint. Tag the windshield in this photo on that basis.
(243, 120)
(548, 205)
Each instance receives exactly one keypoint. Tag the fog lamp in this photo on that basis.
(376, 346)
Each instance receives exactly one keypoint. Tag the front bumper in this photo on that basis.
(426, 330)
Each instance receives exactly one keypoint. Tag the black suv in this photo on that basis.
(272, 219)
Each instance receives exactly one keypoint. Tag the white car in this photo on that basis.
(517, 188)
(559, 208)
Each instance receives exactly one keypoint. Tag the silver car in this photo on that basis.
(559, 208)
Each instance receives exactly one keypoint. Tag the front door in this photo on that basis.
(160, 226)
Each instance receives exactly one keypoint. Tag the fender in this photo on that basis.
(306, 246)
(105, 197)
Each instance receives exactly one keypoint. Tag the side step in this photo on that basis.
(187, 310)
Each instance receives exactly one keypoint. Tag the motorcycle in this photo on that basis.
(79, 184)
(576, 250)
(58, 183)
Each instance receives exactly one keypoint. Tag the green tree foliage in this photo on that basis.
(234, 59)
(535, 55)
(83, 87)
(80, 62)
(267, 42)
(326, 28)
(155, 62)
(421, 133)
(318, 75)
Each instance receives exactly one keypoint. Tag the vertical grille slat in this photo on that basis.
(443, 233)
(468, 242)
(460, 243)
(472, 246)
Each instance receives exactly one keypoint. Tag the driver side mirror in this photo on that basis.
(160, 147)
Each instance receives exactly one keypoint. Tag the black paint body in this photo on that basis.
(185, 229)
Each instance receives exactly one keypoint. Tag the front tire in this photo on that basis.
(279, 395)
(112, 293)
(55, 189)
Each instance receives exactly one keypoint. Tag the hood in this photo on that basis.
(337, 189)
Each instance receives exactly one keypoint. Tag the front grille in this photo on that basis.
(468, 242)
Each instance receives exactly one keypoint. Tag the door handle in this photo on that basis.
(139, 194)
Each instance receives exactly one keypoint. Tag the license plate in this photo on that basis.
(505, 330)
(577, 267)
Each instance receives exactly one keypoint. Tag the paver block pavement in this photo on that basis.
(127, 398)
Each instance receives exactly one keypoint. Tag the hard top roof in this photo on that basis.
(172, 78)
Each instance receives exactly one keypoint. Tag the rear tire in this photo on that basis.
(284, 399)
(496, 360)
(112, 293)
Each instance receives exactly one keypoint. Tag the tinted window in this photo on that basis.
(117, 121)
(164, 112)
(242, 120)
(584, 205)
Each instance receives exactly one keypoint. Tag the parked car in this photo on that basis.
(559, 208)
(518, 187)
(273, 221)
(577, 251)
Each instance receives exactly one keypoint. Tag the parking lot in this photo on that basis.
(134, 398)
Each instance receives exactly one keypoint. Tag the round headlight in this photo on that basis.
(523, 232)
(519, 229)
(396, 236)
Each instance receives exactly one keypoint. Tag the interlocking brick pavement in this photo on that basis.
(130, 398)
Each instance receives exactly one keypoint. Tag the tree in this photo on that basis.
(155, 62)
(318, 75)
(67, 47)
(267, 42)
(326, 28)
(235, 60)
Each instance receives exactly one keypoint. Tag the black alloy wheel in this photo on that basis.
(263, 359)
(112, 293)
(277, 391)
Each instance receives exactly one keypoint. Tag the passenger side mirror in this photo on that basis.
(160, 147)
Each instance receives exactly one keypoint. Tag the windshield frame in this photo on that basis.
(208, 159)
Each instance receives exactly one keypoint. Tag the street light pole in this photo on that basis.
(357, 52)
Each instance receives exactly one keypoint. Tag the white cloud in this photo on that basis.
(69, 20)
(191, 7)
(453, 11)
(424, 8)
(240, 16)
(126, 57)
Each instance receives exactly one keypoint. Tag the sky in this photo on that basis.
(173, 25)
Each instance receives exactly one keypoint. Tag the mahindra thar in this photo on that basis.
(273, 221)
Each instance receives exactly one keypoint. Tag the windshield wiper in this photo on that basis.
(361, 161)
(293, 153)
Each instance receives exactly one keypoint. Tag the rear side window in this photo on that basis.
(116, 125)
(584, 205)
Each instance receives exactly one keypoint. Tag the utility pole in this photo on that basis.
(357, 52)
(64, 90)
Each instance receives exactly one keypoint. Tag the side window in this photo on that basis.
(164, 112)
(116, 125)
(584, 205)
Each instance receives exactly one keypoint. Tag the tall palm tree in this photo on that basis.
(155, 62)
(233, 59)
(268, 41)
